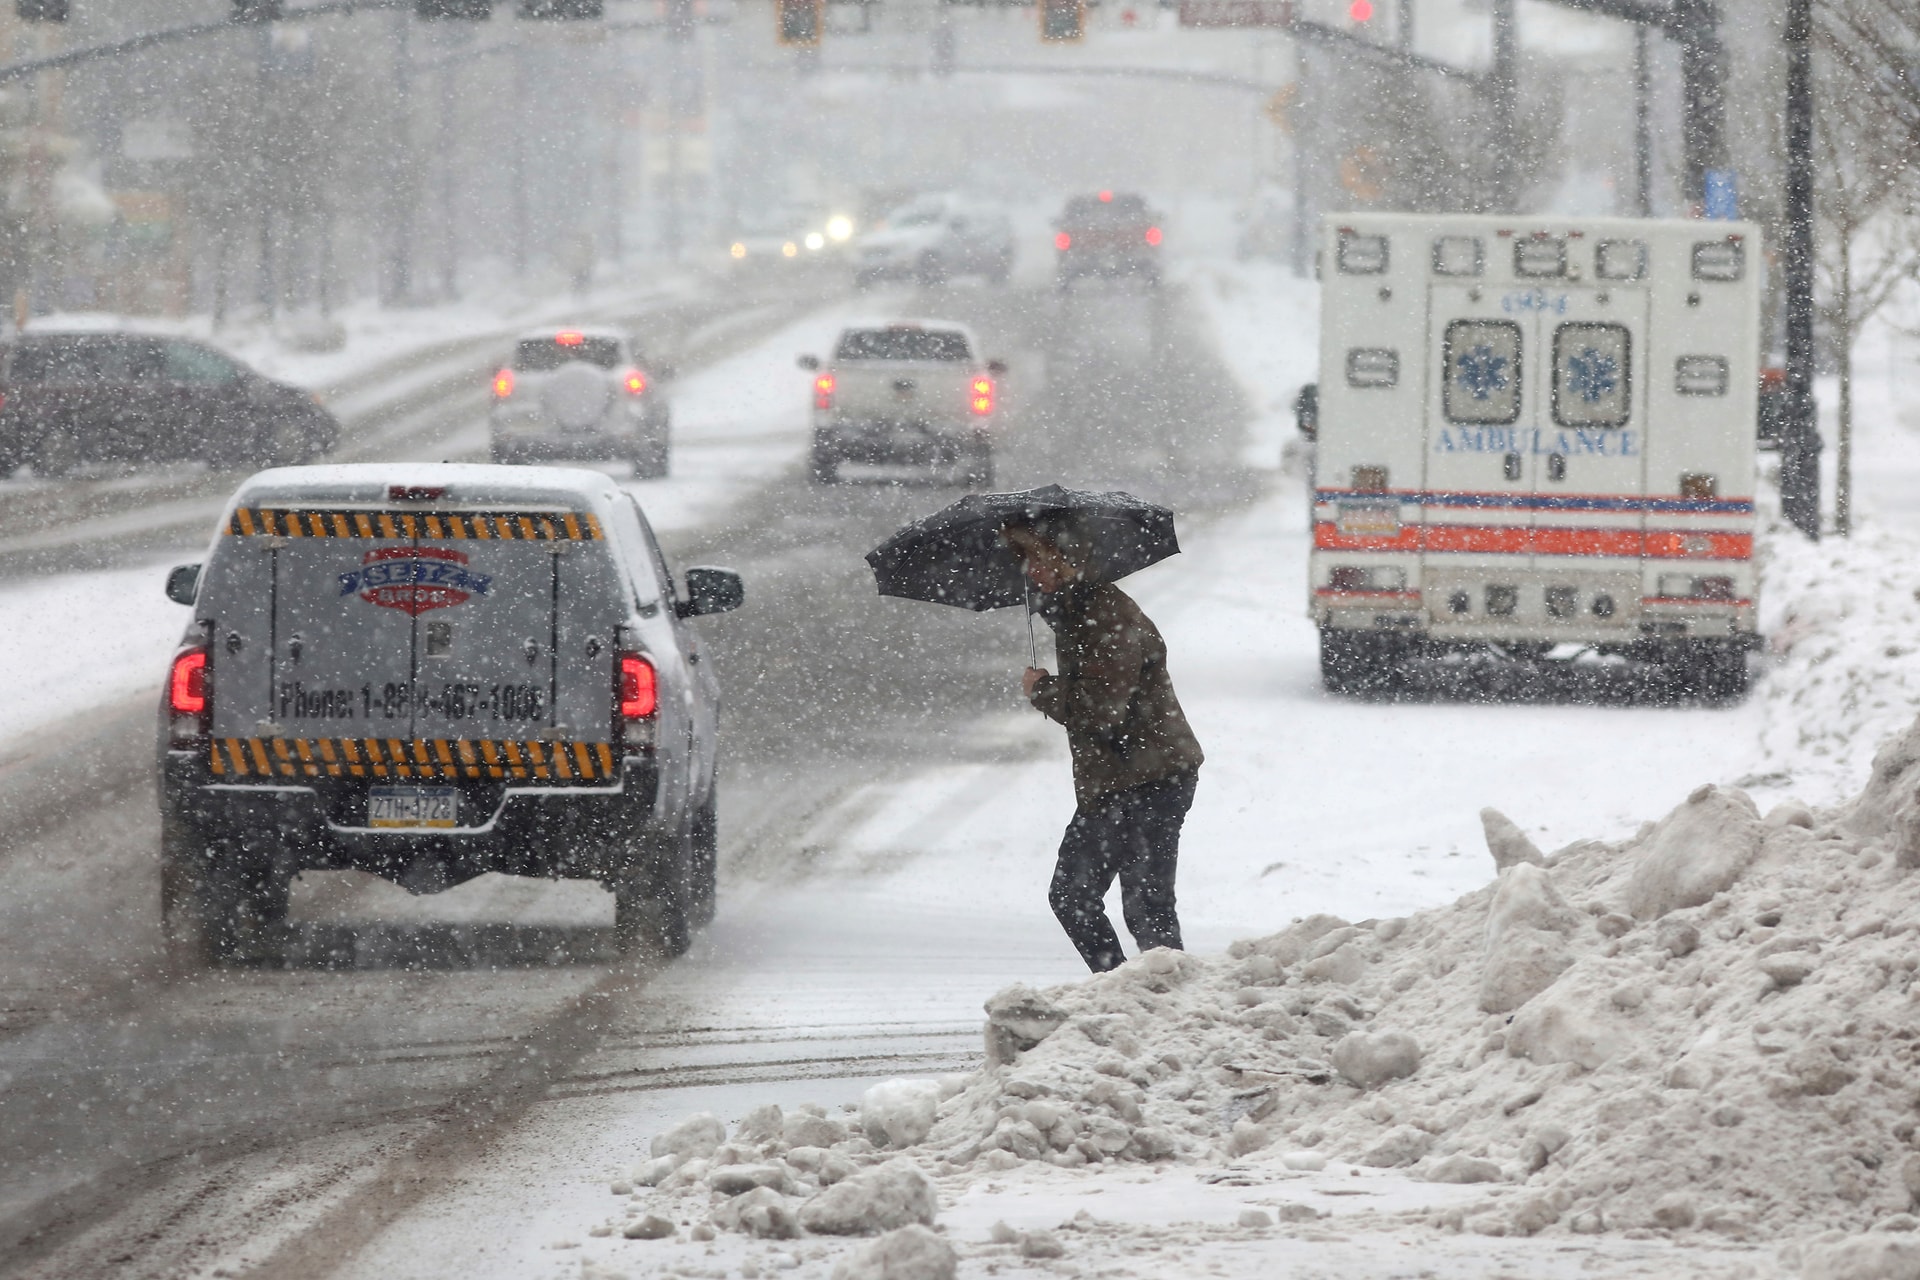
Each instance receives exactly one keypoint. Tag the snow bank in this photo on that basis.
(1710, 1027)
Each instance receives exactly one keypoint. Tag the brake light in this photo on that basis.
(569, 338)
(1063, 242)
(639, 688)
(187, 688)
(634, 381)
(982, 398)
(1106, 197)
(503, 384)
(1153, 236)
(189, 718)
(823, 391)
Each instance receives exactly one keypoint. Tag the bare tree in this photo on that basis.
(1867, 137)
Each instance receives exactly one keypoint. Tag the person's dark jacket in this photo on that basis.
(1124, 724)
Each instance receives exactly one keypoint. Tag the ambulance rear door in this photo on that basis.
(1482, 412)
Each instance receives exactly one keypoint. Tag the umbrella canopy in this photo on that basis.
(958, 557)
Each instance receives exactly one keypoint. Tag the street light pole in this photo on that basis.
(1800, 441)
(1642, 123)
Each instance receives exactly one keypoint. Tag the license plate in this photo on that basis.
(413, 807)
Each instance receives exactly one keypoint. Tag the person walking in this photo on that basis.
(1135, 760)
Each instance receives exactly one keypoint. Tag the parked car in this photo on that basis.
(909, 391)
(581, 393)
(74, 397)
(933, 238)
(1111, 235)
(442, 670)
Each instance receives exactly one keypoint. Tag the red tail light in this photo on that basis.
(981, 398)
(187, 701)
(569, 338)
(503, 384)
(634, 381)
(1153, 236)
(187, 688)
(1063, 242)
(823, 391)
(639, 688)
(1106, 197)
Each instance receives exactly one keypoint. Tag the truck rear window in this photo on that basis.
(902, 344)
(538, 355)
(1121, 211)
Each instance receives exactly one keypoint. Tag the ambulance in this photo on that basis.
(1536, 435)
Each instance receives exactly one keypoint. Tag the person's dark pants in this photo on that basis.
(1134, 834)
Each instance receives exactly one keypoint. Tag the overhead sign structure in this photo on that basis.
(1236, 13)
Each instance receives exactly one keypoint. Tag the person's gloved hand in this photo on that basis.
(1032, 679)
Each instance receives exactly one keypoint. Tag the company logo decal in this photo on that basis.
(414, 579)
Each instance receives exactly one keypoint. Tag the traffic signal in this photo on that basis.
(258, 10)
(40, 10)
(800, 21)
(467, 10)
(1063, 20)
(561, 10)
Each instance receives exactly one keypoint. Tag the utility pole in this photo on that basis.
(1800, 439)
(1503, 102)
(679, 91)
(1642, 122)
(401, 186)
(1302, 103)
(517, 172)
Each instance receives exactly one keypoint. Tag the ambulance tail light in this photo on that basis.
(1350, 577)
(1686, 586)
(189, 708)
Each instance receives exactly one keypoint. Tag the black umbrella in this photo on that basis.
(958, 557)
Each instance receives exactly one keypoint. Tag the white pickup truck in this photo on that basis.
(905, 391)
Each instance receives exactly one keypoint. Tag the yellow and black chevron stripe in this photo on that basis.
(411, 758)
(502, 526)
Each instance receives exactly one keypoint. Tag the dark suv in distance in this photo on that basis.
(71, 398)
(1111, 234)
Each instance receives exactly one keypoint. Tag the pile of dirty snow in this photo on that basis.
(1712, 1027)
(1842, 617)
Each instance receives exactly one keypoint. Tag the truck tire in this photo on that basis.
(704, 874)
(282, 442)
(1359, 661)
(650, 460)
(978, 460)
(1712, 669)
(650, 899)
(824, 462)
(220, 902)
(182, 855)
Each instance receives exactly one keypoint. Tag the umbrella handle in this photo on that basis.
(1033, 645)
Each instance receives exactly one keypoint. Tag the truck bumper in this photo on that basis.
(561, 832)
(879, 440)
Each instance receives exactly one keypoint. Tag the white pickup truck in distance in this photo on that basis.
(908, 391)
(1536, 432)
